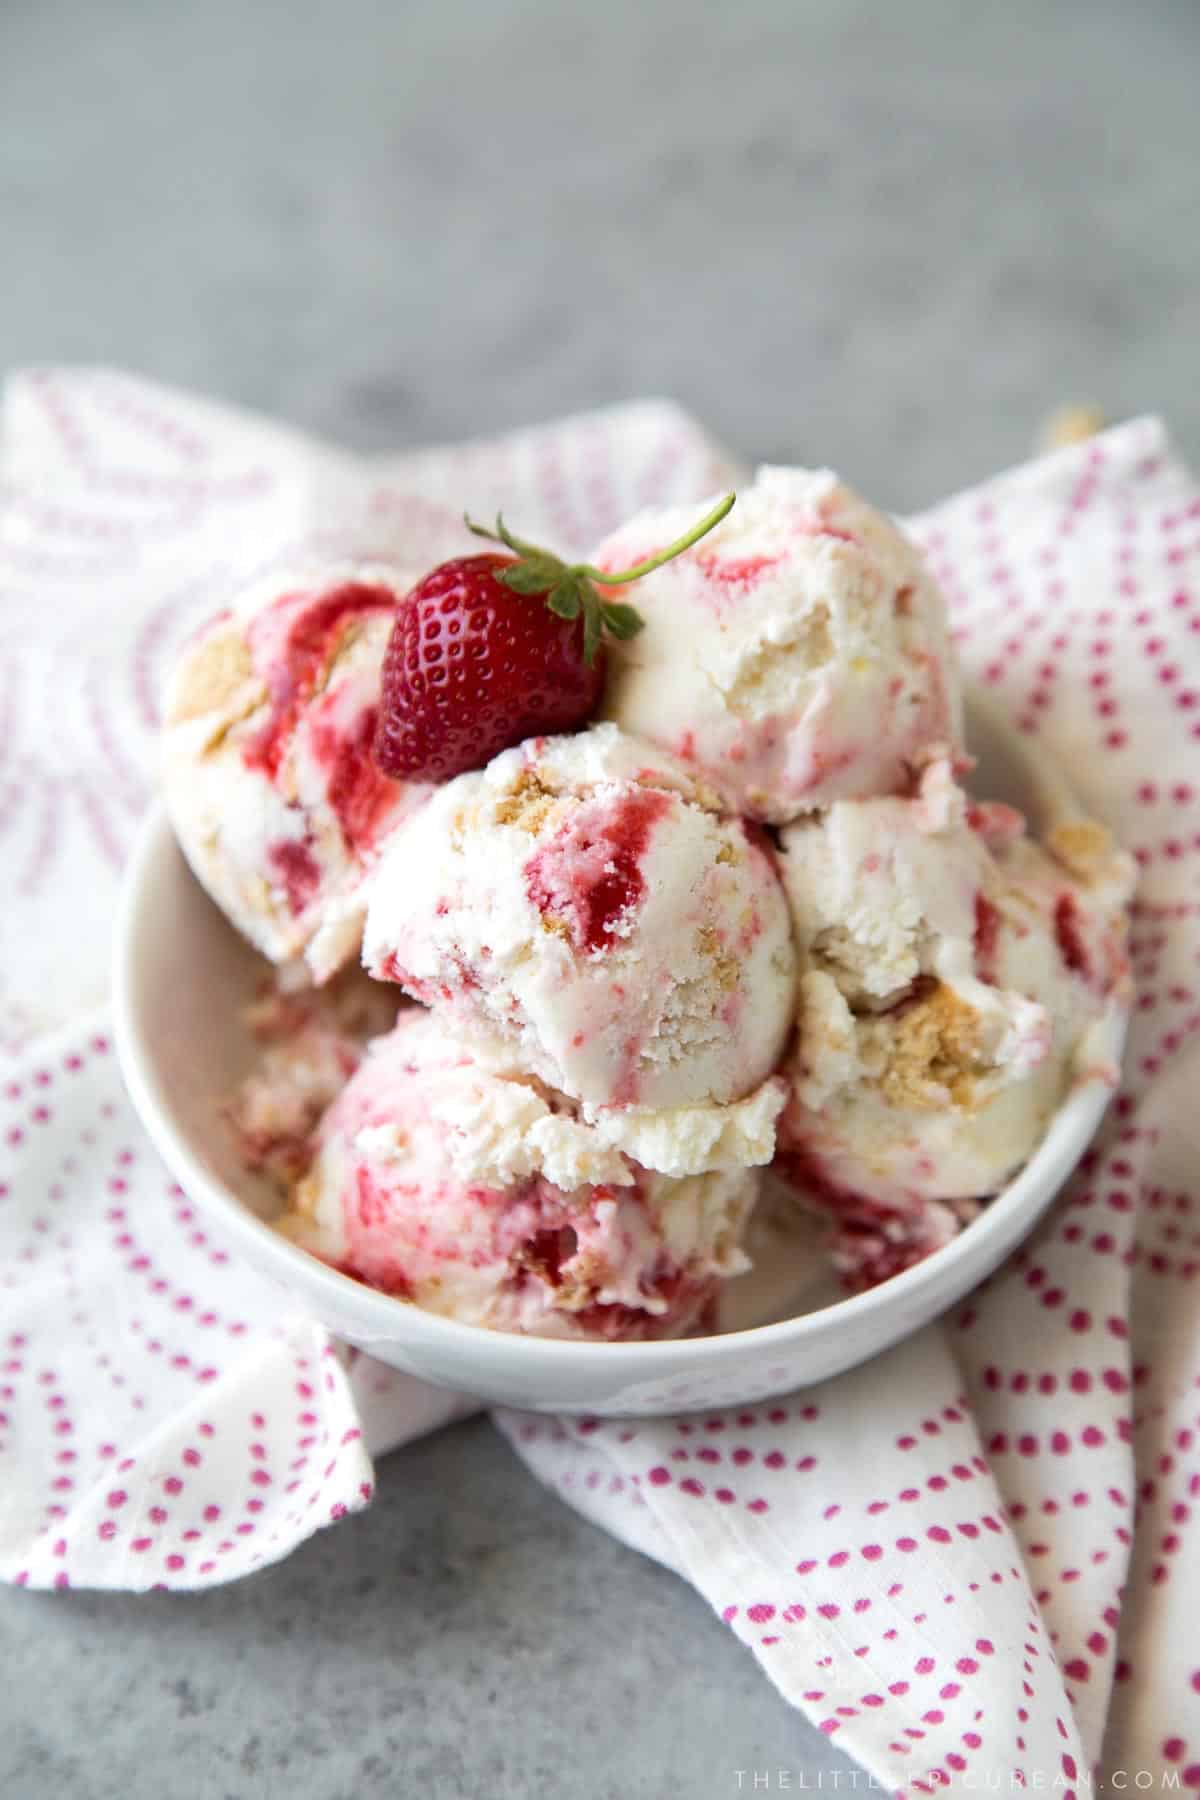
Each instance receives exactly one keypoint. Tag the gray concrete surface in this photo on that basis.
(467, 1636)
(889, 237)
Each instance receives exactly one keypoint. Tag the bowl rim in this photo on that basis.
(387, 1318)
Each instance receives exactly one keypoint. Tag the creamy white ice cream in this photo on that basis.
(797, 655)
(583, 905)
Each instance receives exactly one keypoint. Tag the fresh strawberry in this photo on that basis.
(490, 649)
(471, 667)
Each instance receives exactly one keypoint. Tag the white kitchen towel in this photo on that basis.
(970, 1561)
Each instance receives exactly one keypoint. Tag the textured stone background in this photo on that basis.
(888, 237)
(884, 236)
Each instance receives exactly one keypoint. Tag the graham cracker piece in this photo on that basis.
(214, 678)
(724, 966)
(936, 1049)
(527, 804)
(1082, 847)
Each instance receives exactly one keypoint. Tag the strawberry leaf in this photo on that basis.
(591, 631)
(535, 576)
(564, 598)
(621, 621)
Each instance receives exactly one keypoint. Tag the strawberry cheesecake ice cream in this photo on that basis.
(747, 931)
(797, 655)
(485, 1197)
(309, 1041)
(956, 978)
(584, 905)
(268, 775)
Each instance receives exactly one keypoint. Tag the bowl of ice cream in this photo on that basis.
(672, 1031)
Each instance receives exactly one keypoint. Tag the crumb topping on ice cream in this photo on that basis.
(751, 919)
(953, 975)
(582, 904)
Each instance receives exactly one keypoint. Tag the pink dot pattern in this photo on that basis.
(165, 1418)
(975, 1556)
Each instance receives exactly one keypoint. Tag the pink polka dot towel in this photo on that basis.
(970, 1562)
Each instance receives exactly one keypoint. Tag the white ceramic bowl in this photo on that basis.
(181, 978)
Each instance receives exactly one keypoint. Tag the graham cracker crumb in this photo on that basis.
(212, 678)
(1082, 847)
(346, 635)
(527, 804)
(936, 1049)
(556, 925)
(461, 822)
(305, 1197)
(1072, 424)
(702, 795)
(573, 1295)
(724, 966)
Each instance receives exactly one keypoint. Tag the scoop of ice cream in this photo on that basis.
(491, 1200)
(584, 905)
(798, 654)
(310, 1041)
(268, 773)
(955, 975)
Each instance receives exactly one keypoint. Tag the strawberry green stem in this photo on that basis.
(610, 578)
(570, 590)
